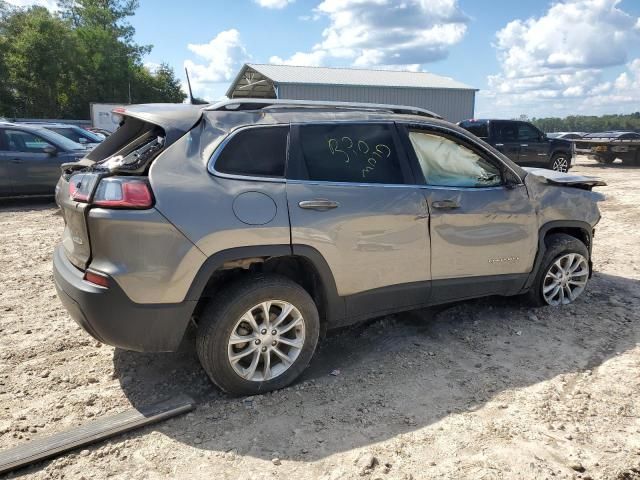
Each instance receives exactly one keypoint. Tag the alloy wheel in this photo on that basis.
(566, 279)
(560, 164)
(266, 340)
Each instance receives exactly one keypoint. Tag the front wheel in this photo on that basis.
(560, 162)
(563, 273)
(258, 335)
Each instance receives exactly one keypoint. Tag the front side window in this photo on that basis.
(447, 163)
(354, 153)
(259, 151)
(526, 133)
(19, 141)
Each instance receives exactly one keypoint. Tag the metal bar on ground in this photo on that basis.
(46, 447)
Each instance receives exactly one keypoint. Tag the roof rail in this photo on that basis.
(272, 104)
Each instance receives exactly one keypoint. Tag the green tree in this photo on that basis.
(37, 53)
(55, 65)
(589, 123)
(160, 85)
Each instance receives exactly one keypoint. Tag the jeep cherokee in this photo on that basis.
(267, 222)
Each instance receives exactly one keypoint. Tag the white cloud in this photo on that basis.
(50, 4)
(558, 61)
(224, 54)
(275, 4)
(311, 59)
(378, 33)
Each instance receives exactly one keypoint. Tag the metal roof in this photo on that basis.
(261, 79)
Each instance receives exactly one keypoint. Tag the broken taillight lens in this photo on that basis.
(81, 185)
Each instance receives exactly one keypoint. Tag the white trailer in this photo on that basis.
(102, 116)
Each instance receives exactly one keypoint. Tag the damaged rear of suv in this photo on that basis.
(267, 222)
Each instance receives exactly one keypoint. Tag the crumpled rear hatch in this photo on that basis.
(145, 131)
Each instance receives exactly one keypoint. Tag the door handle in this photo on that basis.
(16, 160)
(498, 145)
(446, 204)
(319, 204)
(524, 145)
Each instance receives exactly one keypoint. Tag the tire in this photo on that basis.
(559, 246)
(560, 162)
(606, 159)
(635, 161)
(225, 315)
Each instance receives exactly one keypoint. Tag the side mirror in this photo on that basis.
(82, 140)
(51, 151)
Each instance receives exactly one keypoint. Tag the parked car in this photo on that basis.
(99, 131)
(566, 135)
(523, 143)
(268, 222)
(30, 159)
(72, 132)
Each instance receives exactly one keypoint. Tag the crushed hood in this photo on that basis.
(565, 179)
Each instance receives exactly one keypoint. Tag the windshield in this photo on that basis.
(60, 140)
(76, 134)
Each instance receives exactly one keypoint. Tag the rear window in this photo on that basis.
(260, 151)
(354, 153)
(479, 129)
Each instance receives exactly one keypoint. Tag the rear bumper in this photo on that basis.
(109, 316)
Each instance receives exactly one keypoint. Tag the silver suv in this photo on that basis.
(267, 222)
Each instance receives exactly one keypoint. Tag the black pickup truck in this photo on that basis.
(523, 143)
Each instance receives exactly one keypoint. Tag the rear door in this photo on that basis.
(483, 227)
(504, 136)
(534, 147)
(352, 197)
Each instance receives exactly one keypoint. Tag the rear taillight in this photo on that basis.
(81, 185)
(111, 192)
(123, 192)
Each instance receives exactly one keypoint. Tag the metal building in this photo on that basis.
(449, 98)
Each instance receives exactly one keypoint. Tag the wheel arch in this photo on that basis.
(302, 264)
(583, 231)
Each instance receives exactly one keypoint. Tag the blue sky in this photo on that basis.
(533, 57)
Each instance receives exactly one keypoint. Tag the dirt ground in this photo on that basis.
(483, 389)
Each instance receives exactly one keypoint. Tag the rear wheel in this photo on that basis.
(606, 159)
(563, 274)
(560, 162)
(258, 335)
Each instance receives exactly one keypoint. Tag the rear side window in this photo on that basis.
(505, 131)
(260, 151)
(479, 129)
(354, 153)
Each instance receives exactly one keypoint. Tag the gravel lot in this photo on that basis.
(482, 389)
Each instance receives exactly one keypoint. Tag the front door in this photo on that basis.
(483, 227)
(351, 197)
(35, 172)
